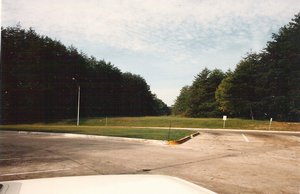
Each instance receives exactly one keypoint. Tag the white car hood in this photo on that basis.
(104, 184)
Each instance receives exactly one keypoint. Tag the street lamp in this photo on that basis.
(78, 100)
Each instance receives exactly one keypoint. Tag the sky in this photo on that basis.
(168, 42)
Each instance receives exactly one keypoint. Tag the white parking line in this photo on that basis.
(22, 158)
(34, 172)
(245, 138)
(9, 159)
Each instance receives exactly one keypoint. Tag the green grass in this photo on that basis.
(165, 121)
(122, 126)
(143, 133)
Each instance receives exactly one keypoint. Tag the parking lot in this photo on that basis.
(220, 161)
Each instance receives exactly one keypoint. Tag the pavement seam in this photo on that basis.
(195, 161)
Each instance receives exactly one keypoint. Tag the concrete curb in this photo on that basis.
(73, 135)
(184, 139)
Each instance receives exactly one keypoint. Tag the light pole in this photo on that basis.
(78, 100)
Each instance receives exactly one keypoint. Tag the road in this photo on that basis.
(222, 162)
(238, 131)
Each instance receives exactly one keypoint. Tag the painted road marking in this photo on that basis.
(10, 159)
(22, 158)
(34, 172)
(245, 138)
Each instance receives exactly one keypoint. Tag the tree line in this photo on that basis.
(264, 85)
(40, 76)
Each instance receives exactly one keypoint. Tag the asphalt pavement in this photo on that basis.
(223, 162)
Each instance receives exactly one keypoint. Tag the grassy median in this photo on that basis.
(129, 126)
(165, 121)
(143, 133)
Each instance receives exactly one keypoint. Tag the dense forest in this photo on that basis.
(40, 77)
(264, 85)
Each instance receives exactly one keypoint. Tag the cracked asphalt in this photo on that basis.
(223, 162)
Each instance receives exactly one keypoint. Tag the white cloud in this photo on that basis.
(145, 25)
(183, 32)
